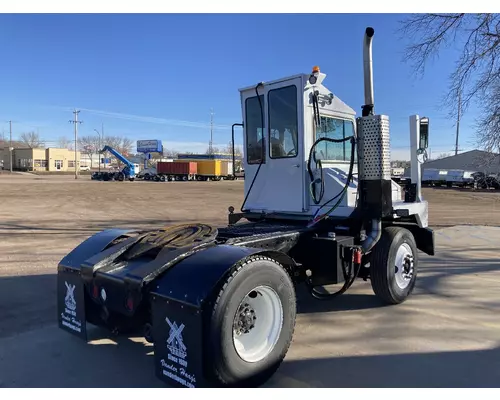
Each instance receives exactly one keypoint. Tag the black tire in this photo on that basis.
(226, 367)
(383, 265)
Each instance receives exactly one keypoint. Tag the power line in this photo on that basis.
(76, 122)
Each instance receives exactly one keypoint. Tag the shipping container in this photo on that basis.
(215, 168)
(177, 168)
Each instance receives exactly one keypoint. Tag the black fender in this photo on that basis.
(193, 279)
(90, 247)
(180, 302)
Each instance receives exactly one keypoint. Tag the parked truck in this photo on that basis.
(219, 304)
(128, 171)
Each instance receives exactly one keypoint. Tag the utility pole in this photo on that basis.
(76, 122)
(10, 145)
(210, 147)
(458, 120)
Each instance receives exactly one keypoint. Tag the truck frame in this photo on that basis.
(219, 303)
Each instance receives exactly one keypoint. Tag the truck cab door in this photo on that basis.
(279, 186)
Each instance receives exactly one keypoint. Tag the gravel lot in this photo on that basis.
(43, 218)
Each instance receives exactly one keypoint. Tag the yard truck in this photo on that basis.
(219, 303)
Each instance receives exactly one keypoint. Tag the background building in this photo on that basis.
(39, 159)
(474, 160)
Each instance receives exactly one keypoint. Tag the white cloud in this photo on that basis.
(400, 154)
(195, 147)
(146, 119)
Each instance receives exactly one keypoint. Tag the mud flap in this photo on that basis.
(71, 302)
(177, 334)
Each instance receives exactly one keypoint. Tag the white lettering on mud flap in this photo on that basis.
(175, 367)
(69, 314)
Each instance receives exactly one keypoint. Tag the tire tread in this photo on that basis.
(379, 259)
(223, 288)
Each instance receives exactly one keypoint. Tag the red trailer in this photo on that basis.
(177, 170)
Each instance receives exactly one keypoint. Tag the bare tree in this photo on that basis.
(441, 156)
(64, 143)
(170, 153)
(89, 145)
(214, 150)
(476, 76)
(229, 149)
(31, 139)
(121, 144)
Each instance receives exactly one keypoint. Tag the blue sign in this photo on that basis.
(149, 146)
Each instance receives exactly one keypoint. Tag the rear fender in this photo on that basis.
(193, 279)
(90, 247)
(178, 301)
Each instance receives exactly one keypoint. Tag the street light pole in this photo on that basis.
(10, 145)
(99, 149)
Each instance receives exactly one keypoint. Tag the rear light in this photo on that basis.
(130, 303)
(95, 291)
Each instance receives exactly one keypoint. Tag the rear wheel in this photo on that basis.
(393, 265)
(252, 323)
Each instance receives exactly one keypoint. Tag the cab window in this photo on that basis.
(255, 149)
(334, 128)
(283, 122)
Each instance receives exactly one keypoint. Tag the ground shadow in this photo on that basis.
(477, 368)
(28, 305)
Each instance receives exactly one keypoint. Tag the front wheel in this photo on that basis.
(393, 265)
(252, 324)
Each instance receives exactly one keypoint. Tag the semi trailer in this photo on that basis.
(219, 303)
(194, 169)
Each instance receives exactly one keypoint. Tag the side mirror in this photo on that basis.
(424, 134)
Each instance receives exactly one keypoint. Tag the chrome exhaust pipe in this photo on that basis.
(368, 71)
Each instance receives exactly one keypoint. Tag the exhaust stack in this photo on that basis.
(375, 184)
(368, 72)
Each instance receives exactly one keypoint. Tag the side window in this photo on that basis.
(255, 150)
(334, 128)
(283, 122)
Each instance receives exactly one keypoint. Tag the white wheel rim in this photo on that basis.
(257, 324)
(404, 266)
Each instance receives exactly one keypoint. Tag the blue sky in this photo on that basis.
(158, 76)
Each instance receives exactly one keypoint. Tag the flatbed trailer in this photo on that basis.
(219, 303)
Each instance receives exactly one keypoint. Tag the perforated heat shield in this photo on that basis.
(374, 166)
(374, 148)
